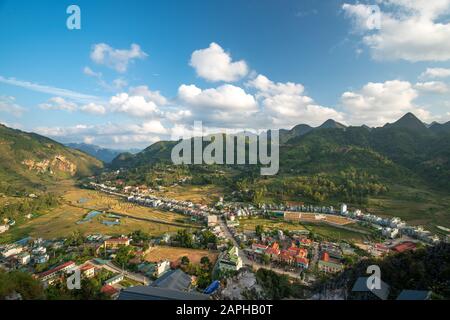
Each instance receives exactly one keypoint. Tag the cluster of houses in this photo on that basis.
(25, 253)
(389, 227)
(179, 206)
(295, 255)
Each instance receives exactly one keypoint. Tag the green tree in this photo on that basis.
(185, 260)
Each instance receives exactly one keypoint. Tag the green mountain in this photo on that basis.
(28, 160)
(329, 163)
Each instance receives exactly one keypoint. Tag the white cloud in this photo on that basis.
(89, 72)
(117, 84)
(89, 140)
(117, 59)
(136, 106)
(410, 30)
(376, 104)
(50, 90)
(225, 97)
(154, 96)
(9, 105)
(432, 87)
(93, 108)
(214, 64)
(432, 73)
(115, 135)
(285, 104)
(224, 106)
(58, 103)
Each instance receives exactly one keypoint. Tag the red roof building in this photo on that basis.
(302, 262)
(109, 290)
(404, 246)
(53, 272)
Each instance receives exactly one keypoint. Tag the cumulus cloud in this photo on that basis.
(58, 103)
(136, 106)
(117, 59)
(214, 64)
(226, 105)
(93, 108)
(432, 87)
(9, 105)
(154, 96)
(376, 104)
(410, 30)
(286, 105)
(433, 73)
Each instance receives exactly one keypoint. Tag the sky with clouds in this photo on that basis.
(142, 71)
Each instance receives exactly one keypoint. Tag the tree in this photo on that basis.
(185, 260)
(205, 262)
(123, 255)
(22, 283)
(266, 259)
(259, 229)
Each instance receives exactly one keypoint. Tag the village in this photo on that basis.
(217, 262)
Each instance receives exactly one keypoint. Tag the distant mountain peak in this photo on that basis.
(408, 121)
(331, 124)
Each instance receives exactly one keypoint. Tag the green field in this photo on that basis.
(61, 221)
(414, 205)
(321, 229)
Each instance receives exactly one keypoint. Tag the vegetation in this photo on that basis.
(29, 161)
(17, 282)
(426, 268)
(276, 286)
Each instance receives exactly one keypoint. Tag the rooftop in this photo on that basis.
(156, 293)
(174, 279)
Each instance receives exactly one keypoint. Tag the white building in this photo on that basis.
(11, 250)
(390, 232)
(24, 258)
(212, 220)
(162, 267)
(343, 208)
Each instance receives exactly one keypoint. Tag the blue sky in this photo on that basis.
(140, 71)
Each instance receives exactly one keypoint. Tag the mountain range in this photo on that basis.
(405, 149)
(104, 154)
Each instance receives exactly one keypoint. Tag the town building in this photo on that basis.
(88, 270)
(51, 275)
(212, 220)
(361, 291)
(173, 285)
(161, 267)
(23, 258)
(414, 295)
(230, 260)
(329, 265)
(116, 279)
(115, 243)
